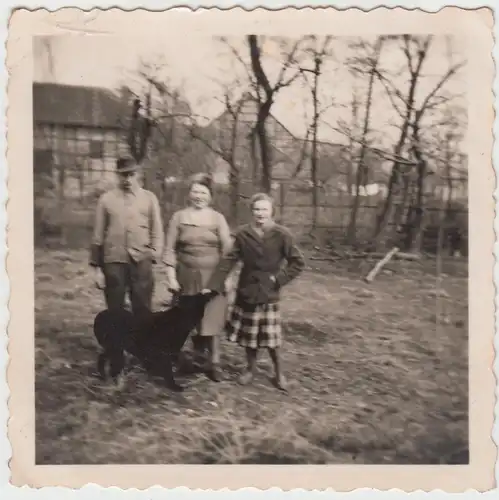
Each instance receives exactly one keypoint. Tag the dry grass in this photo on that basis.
(372, 378)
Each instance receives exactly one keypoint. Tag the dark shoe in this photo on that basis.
(173, 386)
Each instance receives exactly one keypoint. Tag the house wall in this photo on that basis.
(283, 143)
(78, 160)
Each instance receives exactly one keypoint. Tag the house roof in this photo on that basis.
(76, 105)
(248, 98)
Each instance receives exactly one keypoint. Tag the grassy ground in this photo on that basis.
(372, 378)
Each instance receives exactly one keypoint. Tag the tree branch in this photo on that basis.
(386, 82)
(451, 72)
(289, 61)
(381, 153)
(256, 65)
(213, 149)
(239, 58)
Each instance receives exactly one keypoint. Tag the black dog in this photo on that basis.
(154, 338)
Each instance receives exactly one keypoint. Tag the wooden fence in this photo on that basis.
(64, 217)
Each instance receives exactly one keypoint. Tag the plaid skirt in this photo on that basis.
(255, 326)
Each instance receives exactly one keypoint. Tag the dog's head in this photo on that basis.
(112, 323)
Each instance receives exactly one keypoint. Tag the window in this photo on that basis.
(42, 162)
(96, 149)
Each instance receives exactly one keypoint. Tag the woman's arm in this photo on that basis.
(224, 235)
(226, 265)
(295, 261)
(156, 228)
(170, 254)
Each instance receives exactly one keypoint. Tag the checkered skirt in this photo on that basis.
(255, 325)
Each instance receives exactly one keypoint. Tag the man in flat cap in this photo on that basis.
(127, 240)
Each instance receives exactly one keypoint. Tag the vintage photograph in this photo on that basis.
(251, 252)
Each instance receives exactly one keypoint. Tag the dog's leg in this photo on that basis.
(101, 365)
(168, 375)
(117, 365)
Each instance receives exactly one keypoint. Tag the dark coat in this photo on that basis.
(269, 262)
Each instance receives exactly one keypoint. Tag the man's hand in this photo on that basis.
(99, 279)
(173, 284)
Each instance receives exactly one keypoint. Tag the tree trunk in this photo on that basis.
(139, 133)
(416, 218)
(234, 195)
(254, 158)
(313, 165)
(450, 186)
(361, 176)
(386, 214)
(352, 143)
(405, 206)
(265, 155)
(417, 224)
(352, 225)
(383, 219)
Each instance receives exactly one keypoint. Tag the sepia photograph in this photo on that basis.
(251, 249)
(251, 252)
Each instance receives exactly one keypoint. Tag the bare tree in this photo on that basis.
(352, 143)
(416, 50)
(227, 149)
(318, 55)
(266, 93)
(369, 65)
(156, 106)
(158, 125)
(139, 132)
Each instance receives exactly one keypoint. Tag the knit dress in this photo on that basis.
(194, 246)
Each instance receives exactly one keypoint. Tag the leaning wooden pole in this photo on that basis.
(377, 268)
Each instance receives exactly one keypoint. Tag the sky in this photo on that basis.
(208, 67)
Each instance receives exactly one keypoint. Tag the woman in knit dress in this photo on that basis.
(196, 239)
(270, 260)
